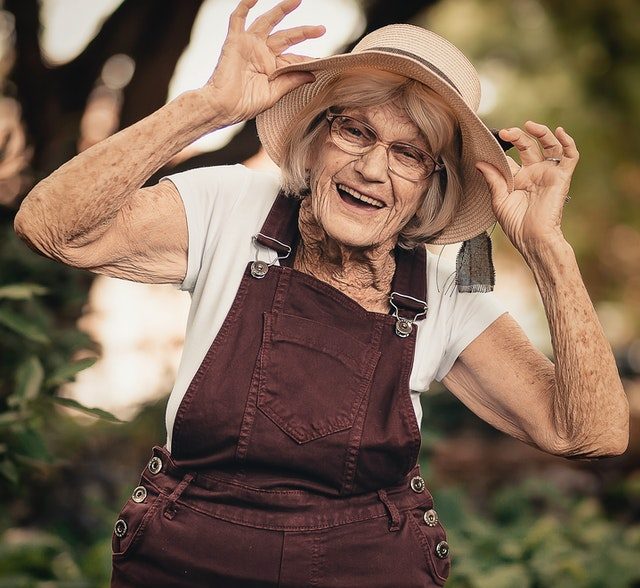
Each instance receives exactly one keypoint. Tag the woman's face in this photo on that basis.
(355, 199)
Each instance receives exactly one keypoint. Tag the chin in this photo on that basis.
(353, 240)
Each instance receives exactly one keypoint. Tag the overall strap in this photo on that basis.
(409, 288)
(280, 229)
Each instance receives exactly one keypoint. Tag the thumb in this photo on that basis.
(495, 181)
(286, 82)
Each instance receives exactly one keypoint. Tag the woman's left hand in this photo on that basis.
(531, 214)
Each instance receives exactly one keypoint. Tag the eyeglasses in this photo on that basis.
(357, 138)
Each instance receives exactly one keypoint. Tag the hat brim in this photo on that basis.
(475, 213)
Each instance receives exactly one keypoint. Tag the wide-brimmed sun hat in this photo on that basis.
(422, 55)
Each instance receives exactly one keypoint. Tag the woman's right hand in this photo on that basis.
(240, 88)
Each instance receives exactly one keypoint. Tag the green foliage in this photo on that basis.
(38, 342)
(74, 506)
(29, 557)
(534, 536)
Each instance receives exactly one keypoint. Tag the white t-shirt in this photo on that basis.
(225, 207)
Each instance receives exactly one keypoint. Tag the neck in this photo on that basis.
(362, 274)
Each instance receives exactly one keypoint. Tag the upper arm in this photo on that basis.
(507, 382)
(146, 242)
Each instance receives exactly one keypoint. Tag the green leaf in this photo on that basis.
(9, 471)
(22, 291)
(22, 326)
(30, 443)
(68, 371)
(96, 412)
(29, 376)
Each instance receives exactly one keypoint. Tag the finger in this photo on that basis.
(289, 81)
(265, 23)
(294, 59)
(527, 146)
(282, 40)
(550, 143)
(495, 181)
(238, 18)
(569, 150)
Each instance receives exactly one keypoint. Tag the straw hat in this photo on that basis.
(416, 53)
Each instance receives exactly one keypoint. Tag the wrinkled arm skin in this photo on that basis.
(576, 408)
(91, 213)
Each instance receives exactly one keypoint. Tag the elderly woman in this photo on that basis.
(318, 316)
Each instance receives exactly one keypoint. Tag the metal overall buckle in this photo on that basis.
(260, 268)
(404, 326)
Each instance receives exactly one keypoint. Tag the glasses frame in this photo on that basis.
(331, 117)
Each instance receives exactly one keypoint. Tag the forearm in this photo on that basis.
(76, 204)
(589, 408)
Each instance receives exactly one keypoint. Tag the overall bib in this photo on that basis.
(294, 449)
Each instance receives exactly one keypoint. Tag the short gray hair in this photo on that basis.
(429, 112)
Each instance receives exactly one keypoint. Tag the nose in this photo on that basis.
(374, 165)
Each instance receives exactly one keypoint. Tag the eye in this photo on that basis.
(355, 131)
(408, 154)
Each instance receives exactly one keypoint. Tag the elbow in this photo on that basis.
(26, 224)
(29, 222)
(610, 444)
(596, 438)
(32, 227)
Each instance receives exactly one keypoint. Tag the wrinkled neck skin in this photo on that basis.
(364, 275)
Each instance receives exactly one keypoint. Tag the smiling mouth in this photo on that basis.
(355, 198)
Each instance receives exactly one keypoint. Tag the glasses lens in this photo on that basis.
(410, 162)
(355, 137)
(352, 135)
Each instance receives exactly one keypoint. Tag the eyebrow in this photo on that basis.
(421, 141)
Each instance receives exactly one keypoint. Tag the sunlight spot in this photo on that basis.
(68, 26)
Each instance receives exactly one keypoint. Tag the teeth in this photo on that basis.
(361, 197)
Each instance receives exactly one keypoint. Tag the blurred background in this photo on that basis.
(86, 362)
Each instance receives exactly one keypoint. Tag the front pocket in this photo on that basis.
(313, 377)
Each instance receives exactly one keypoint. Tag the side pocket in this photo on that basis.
(428, 539)
(131, 524)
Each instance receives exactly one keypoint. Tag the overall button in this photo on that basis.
(442, 549)
(259, 269)
(120, 528)
(403, 327)
(417, 484)
(139, 494)
(155, 465)
(431, 517)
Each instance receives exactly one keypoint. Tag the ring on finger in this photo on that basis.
(555, 160)
(566, 199)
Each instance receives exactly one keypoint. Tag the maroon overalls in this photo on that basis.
(294, 450)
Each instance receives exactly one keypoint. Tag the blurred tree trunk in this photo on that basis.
(154, 33)
(380, 13)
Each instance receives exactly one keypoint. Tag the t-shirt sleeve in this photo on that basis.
(471, 314)
(209, 195)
